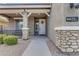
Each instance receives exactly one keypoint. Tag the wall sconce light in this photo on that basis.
(77, 6)
(71, 5)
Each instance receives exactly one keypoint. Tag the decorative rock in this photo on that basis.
(68, 43)
(65, 46)
(77, 50)
(73, 37)
(78, 44)
(63, 40)
(63, 31)
(58, 41)
(68, 33)
(57, 37)
(63, 50)
(68, 40)
(63, 43)
(77, 40)
(78, 37)
(75, 34)
(69, 50)
(74, 46)
(73, 41)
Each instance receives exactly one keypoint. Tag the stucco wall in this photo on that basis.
(31, 25)
(70, 12)
(55, 19)
(11, 25)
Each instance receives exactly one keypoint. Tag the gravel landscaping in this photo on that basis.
(14, 50)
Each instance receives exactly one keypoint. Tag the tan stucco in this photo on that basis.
(70, 12)
(55, 19)
(31, 25)
(11, 25)
(59, 12)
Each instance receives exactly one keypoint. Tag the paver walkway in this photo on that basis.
(37, 47)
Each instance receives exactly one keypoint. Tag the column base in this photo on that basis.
(25, 33)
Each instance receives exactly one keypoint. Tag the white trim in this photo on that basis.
(67, 28)
(29, 14)
(47, 14)
(18, 18)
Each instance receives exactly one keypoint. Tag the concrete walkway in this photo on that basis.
(37, 47)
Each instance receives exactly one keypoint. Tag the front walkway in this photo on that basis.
(37, 47)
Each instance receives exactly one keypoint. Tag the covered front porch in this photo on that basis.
(25, 22)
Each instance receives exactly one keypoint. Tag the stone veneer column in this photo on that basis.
(25, 29)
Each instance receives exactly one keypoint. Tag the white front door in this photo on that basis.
(42, 27)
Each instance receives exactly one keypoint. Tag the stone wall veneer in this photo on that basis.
(67, 40)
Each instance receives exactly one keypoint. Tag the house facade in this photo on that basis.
(57, 21)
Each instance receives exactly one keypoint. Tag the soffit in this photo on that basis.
(21, 10)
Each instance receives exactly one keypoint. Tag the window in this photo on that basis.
(19, 24)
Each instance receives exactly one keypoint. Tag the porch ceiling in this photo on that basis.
(13, 13)
(19, 16)
(3, 11)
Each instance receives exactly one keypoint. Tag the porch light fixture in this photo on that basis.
(74, 5)
(77, 6)
(71, 5)
(3, 19)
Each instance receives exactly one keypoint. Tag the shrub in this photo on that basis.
(10, 40)
(2, 37)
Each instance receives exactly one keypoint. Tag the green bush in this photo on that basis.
(2, 37)
(10, 40)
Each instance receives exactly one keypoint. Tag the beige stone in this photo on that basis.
(74, 46)
(68, 43)
(58, 41)
(69, 50)
(67, 38)
(77, 50)
(25, 34)
(65, 46)
(64, 31)
(78, 44)
(77, 40)
(74, 43)
(63, 43)
(68, 33)
(57, 37)
(73, 37)
(64, 40)
(63, 50)
(75, 34)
